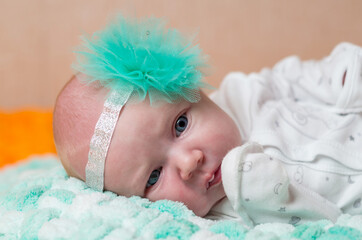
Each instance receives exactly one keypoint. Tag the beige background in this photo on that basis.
(37, 36)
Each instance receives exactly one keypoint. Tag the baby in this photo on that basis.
(135, 122)
(168, 142)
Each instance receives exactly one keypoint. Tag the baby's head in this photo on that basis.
(166, 144)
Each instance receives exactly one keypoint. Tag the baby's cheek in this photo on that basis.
(169, 190)
(175, 192)
(196, 202)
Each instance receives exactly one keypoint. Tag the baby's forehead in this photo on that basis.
(159, 107)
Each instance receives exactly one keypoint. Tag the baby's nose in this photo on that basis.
(189, 163)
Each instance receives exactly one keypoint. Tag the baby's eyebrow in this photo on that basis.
(143, 188)
(142, 178)
(136, 189)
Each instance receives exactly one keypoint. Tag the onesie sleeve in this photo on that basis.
(322, 81)
(258, 187)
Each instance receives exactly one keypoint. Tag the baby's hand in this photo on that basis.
(257, 186)
(253, 177)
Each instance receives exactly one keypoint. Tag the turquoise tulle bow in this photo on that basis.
(145, 57)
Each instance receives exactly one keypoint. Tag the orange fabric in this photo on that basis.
(25, 133)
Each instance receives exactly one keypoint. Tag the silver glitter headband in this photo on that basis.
(101, 139)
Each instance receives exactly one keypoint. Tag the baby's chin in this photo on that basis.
(206, 208)
(202, 212)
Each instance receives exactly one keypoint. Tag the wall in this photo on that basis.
(37, 37)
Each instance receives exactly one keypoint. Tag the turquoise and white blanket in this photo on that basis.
(39, 201)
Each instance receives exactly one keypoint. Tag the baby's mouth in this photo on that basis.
(215, 178)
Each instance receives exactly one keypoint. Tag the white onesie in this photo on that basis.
(303, 122)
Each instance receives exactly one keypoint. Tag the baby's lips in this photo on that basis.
(215, 178)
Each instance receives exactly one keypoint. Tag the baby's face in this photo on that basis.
(172, 151)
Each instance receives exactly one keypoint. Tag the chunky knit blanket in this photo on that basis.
(39, 201)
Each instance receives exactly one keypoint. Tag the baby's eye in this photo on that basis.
(153, 177)
(181, 125)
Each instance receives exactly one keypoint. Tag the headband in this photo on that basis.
(101, 139)
(138, 58)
